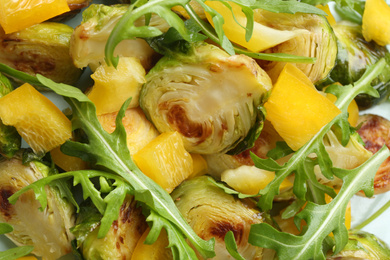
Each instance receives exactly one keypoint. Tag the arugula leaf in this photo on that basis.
(231, 246)
(220, 38)
(125, 28)
(110, 152)
(300, 163)
(321, 219)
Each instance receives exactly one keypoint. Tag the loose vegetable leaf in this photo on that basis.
(125, 28)
(300, 163)
(231, 246)
(110, 151)
(15, 253)
(321, 219)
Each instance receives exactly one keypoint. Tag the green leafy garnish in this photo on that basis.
(321, 219)
(125, 28)
(110, 152)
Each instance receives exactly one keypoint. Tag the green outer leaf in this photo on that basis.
(321, 219)
(290, 7)
(5, 228)
(231, 246)
(111, 152)
(16, 252)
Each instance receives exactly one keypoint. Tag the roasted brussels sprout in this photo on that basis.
(319, 42)
(121, 239)
(41, 49)
(10, 140)
(212, 213)
(362, 245)
(90, 37)
(346, 157)
(48, 230)
(218, 163)
(207, 96)
(353, 57)
(375, 132)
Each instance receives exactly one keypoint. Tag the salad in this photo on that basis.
(198, 129)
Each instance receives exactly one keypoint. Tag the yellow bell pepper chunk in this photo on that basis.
(353, 110)
(165, 160)
(329, 17)
(296, 109)
(113, 86)
(263, 37)
(376, 22)
(40, 123)
(17, 15)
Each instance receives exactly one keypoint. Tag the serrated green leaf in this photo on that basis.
(231, 246)
(125, 28)
(110, 151)
(321, 219)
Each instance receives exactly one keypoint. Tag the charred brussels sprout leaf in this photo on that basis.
(47, 230)
(207, 96)
(353, 57)
(10, 140)
(121, 239)
(41, 49)
(318, 42)
(90, 37)
(213, 213)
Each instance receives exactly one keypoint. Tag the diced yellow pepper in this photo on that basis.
(40, 123)
(200, 165)
(20, 14)
(113, 86)
(329, 17)
(296, 109)
(66, 162)
(165, 160)
(376, 22)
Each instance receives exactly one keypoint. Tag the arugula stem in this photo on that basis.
(373, 216)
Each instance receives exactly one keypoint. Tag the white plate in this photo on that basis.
(362, 207)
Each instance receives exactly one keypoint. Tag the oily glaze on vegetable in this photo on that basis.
(113, 176)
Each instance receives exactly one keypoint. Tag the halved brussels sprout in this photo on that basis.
(218, 163)
(120, 241)
(212, 213)
(207, 96)
(90, 37)
(354, 56)
(41, 49)
(375, 132)
(319, 42)
(362, 245)
(10, 140)
(47, 230)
